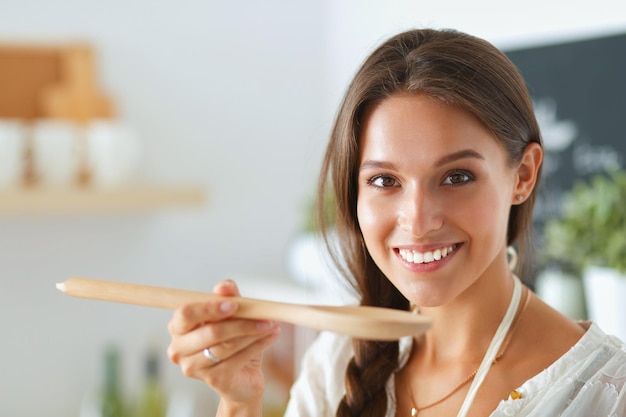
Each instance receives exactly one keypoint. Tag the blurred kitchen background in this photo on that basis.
(224, 109)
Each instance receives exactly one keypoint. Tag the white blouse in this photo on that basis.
(588, 380)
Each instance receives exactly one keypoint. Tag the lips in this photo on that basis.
(417, 257)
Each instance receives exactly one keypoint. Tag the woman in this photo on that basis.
(434, 160)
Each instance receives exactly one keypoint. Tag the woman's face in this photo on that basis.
(434, 196)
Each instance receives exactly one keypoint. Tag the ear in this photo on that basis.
(526, 173)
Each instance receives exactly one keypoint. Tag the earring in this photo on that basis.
(512, 258)
(520, 197)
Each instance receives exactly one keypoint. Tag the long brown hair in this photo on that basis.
(461, 70)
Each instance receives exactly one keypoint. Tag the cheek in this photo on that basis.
(372, 221)
(486, 216)
(365, 217)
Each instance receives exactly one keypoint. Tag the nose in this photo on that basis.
(420, 212)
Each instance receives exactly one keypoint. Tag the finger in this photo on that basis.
(190, 316)
(193, 315)
(227, 287)
(199, 367)
(227, 333)
(232, 346)
(250, 356)
(195, 342)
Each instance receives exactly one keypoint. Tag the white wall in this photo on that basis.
(226, 95)
(236, 96)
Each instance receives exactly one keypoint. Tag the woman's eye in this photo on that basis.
(382, 181)
(457, 178)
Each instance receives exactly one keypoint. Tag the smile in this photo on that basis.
(426, 257)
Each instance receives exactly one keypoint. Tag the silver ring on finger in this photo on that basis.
(210, 356)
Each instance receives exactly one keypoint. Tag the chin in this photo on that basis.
(426, 294)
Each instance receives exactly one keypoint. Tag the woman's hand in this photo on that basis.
(210, 345)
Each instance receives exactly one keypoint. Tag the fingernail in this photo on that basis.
(227, 306)
(264, 325)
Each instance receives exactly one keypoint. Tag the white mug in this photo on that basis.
(56, 152)
(113, 151)
(12, 153)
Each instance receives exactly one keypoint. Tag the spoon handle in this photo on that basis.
(169, 298)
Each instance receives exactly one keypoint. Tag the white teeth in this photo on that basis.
(426, 257)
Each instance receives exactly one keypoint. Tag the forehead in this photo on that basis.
(420, 126)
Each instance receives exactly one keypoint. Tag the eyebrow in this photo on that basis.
(455, 156)
(446, 159)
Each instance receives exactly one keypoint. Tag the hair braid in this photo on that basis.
(373, 362)
(366, 379)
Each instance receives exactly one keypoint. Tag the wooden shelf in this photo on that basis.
(91, 200)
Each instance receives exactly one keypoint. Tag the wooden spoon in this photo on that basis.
(371, 323)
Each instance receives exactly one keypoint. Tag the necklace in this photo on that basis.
(509, 330)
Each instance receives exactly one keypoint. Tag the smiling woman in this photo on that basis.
(433, 161)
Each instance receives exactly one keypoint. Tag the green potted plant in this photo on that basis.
(590, 237)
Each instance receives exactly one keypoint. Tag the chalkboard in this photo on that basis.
(579, 92)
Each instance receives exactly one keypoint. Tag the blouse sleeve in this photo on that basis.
(599, 388)
(320, 384)
(589, 380)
